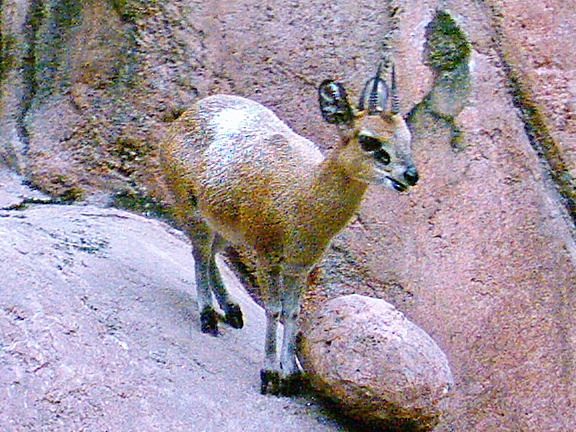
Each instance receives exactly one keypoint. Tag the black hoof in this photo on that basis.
(269, 382)
(293, 384)
(209, 321)
(234, 316)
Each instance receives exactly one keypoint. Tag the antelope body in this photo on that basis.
(238, 174)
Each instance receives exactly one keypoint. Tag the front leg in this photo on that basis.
(270, 374)
(290, 373)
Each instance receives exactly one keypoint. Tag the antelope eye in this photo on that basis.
(382, 156)
(369, 143)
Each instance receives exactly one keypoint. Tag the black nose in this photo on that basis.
(411, 176)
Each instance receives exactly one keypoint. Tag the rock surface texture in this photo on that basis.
(481, 254)
(377, 365)
(99, 331)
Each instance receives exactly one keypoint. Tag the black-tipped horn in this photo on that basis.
(394, 93)
(376, 100)
(374, 94)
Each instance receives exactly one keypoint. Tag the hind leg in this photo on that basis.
(232, 311)
(201, 237)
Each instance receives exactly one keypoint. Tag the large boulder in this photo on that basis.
(380, 367)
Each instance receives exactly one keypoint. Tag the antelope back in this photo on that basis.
(244, 164)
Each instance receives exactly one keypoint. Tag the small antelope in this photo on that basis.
(239, 175)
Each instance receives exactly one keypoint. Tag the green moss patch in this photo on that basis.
(446, 44)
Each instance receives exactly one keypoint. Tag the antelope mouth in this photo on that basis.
(396, 185)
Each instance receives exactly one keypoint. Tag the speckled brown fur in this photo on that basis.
(239, 175)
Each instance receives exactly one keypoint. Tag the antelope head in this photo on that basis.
(375, 140)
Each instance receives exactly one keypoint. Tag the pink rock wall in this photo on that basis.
(481, 254)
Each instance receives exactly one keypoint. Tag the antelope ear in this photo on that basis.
(334, 104)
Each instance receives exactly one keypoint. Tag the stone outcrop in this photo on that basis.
(375, 364)
(99, 330)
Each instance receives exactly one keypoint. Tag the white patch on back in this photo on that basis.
(227, 127)
(228, 122)
(238, 133)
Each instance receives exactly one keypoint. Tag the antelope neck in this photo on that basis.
(341, 194)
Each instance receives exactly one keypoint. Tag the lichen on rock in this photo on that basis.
(446, 52)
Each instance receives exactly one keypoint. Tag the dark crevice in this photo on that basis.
(540, 138)
(47, 27)
(6, 46)
(27, 202)
(535, 123)
(36, 15)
